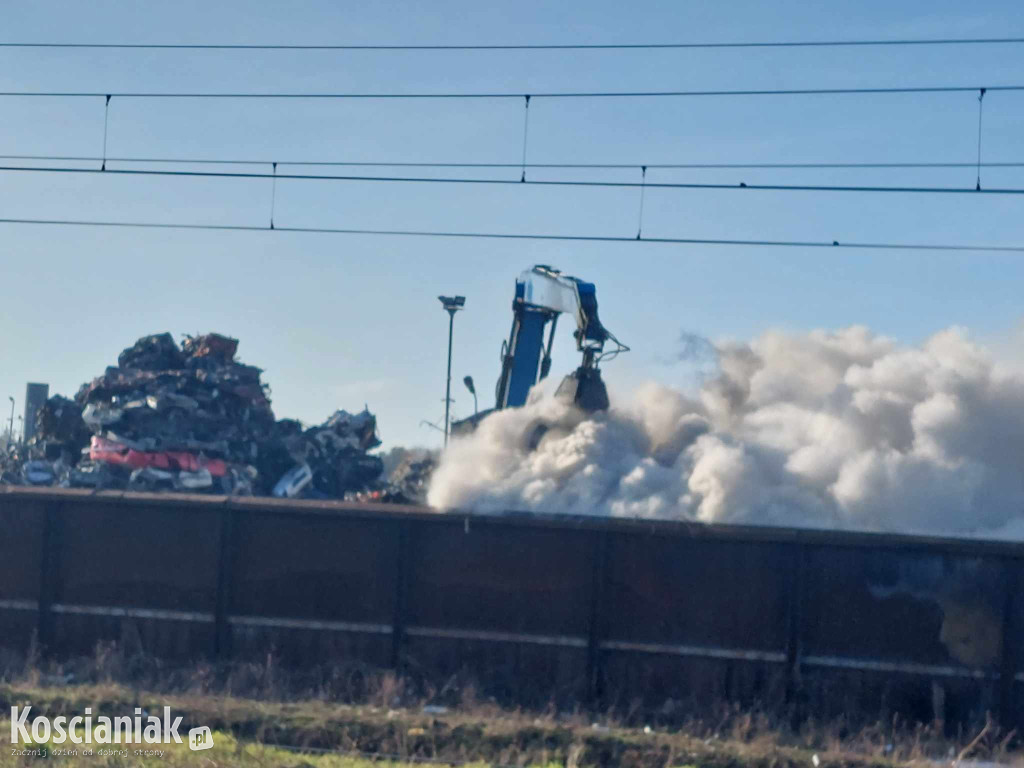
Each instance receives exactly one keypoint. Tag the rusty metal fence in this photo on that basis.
(663, 615)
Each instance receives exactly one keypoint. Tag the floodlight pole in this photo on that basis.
(448, 386)
(451, 304)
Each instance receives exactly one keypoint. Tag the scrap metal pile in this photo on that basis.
(190, 418)
(408, 479)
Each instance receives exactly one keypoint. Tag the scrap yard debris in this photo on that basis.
(408, 472)
(409, 481)
(332, 459)
(174, 418)
(190, 418)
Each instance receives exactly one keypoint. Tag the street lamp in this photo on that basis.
(468, 381)
(451, 304)
(10, 428)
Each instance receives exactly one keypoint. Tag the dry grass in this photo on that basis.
(360, 710)
(227, 752)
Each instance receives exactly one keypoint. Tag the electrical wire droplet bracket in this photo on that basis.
(526, 129)
(106, 121)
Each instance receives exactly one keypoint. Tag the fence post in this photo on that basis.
(49, 576)
(222, 606)
(600, 553)
(795, 619)
(402, 571)
(1010, 649)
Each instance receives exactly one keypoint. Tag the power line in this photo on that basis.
(511, 95)
(596, 166)
(525, 47)
(522, 236)
(524, 181)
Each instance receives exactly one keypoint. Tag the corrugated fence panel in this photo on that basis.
(916, 629)
(141, 576)
(314, 589)
(21, 550)
(511, 603)
(907, 607)
(695, 619)
(529, 608)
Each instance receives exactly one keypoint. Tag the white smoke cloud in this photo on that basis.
(843, 429)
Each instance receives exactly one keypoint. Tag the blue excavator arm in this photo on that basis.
(542, 294)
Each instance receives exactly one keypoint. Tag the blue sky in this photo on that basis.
(337, 322)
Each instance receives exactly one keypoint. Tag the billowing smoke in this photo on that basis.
(841, 429)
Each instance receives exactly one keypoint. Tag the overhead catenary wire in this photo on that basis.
(511, 94)
(517, 182)
(451, 234)
(522, 47)
(596, 166)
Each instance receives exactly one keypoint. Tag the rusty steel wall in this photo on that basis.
(533, 609)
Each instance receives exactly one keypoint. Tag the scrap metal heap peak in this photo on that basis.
(189, 417)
